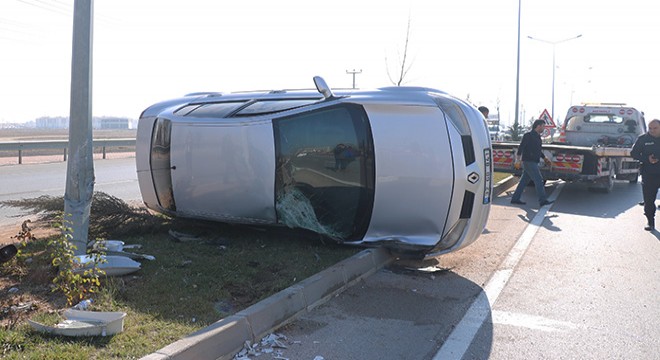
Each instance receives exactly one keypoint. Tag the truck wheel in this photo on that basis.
(609, 185)
(603, 185)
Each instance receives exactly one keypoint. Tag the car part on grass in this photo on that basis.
(84, 323)
(7, 252)
(110, 264)
(116, 248)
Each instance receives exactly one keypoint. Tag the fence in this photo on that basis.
(20, 146)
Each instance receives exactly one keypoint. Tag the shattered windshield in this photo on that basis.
(325, 171)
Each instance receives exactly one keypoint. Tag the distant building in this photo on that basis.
(98, 123)
(52, 123)
(110, 123)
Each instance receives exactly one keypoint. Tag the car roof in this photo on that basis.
(391, 93)
(386, 95)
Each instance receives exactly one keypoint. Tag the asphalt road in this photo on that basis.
(116, 177)
(578, 280)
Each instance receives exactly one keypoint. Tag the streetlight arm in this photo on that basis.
(554, 42)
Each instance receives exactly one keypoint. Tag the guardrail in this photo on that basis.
(60, 144)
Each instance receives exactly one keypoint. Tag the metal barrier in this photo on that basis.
(61, 144)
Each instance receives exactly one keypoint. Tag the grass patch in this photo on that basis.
(499, 176)
(189, 286)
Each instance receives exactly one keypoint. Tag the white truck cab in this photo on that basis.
(602, 124)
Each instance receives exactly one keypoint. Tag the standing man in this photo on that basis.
(530, 151)
(647, 151)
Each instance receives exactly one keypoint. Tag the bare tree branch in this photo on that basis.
(404, 69)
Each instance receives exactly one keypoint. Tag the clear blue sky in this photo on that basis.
(147, 50)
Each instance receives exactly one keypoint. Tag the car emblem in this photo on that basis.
(473, 178)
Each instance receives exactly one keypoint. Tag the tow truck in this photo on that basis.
(593, 147)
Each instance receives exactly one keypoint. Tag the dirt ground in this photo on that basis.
(38, 229)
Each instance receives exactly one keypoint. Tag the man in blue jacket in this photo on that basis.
(647, 151)
(530, 152)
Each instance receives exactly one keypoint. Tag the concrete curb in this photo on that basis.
(503, 185)
(227, 336)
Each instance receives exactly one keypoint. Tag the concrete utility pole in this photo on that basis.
(80, 166)
(354, 72)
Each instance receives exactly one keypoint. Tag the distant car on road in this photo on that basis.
(494, 131)
(407, 168)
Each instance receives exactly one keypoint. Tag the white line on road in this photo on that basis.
(461, 337)
(531, 321)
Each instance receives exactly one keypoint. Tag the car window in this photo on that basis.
(160, 163)
(325, 171)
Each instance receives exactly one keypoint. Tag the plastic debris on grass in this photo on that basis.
(116, 248)
(110, 264)
(84, 323)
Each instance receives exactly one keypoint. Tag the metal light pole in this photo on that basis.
(554, 43)
(516, 123)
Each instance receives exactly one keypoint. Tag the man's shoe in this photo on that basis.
(518, 202)
(546, 202)
(649, 227)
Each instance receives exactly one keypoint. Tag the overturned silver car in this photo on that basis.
(407, 168)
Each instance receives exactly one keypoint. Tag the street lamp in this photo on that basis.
(554, 43)
(354, 72)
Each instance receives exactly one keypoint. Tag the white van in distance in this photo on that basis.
(407, 168)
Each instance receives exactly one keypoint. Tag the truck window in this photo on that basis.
(603, 119)
(324, 176)
(575, 122)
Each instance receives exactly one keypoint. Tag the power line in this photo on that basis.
(14, 27)
(68, 5)
(56, 5)
(48, 7)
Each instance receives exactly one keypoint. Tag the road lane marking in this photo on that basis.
(531, 321)
(463, 334)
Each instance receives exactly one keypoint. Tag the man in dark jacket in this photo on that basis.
(647, 151)
(530, 152)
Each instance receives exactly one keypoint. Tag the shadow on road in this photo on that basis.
(577, 199)
(397, 313)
